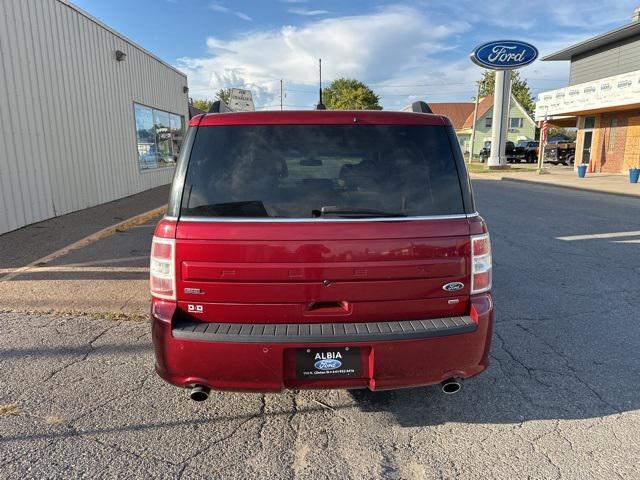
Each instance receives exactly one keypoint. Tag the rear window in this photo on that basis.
(306, 171)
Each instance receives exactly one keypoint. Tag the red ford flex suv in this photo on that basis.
(320, 249)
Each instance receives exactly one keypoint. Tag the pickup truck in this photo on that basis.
(527, 150)
(510, 152)
(560, 153)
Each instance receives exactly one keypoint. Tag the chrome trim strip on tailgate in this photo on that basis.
(322, 332)
(186, 218)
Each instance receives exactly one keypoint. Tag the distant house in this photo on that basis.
(521, 125)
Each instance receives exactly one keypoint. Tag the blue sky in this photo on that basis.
(403, 50)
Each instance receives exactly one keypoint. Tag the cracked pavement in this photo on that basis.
(560, 400)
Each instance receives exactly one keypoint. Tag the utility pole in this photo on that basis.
(475, 119)
(281, 96)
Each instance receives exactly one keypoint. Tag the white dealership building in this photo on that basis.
(86, 115)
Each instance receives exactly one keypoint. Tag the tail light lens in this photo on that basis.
(480, 263)
(162, 278)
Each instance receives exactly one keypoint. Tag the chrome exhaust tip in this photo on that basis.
(451, 386)
(199, 393)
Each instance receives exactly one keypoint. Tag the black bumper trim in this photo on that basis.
(322, 332)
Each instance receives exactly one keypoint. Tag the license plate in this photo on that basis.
(327, 363)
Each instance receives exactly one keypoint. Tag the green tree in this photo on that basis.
(350, 94)
(568, 133)
(202, 104)
(224, 94)
(519, 88)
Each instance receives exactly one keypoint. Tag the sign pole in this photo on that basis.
(501, 102)
(502, 56)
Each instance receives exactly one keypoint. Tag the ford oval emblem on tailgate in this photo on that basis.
(453, 286)
(329, 364)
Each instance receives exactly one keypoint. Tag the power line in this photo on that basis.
(286, 106)
(410, 94)
(384, 85)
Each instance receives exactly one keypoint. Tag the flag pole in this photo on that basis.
(544, 131)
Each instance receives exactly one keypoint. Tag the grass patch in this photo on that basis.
(9, 409)
(118, 317)
(481, 168)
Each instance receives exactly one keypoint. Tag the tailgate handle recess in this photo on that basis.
(328, 308)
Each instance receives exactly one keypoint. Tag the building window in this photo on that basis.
(589, 122)
(613, 130)
(487, 122)
(159, 136)
(516, 122)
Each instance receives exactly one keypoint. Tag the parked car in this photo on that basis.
(320, 249)
(560, 152)
(510, 152)
(527, 150)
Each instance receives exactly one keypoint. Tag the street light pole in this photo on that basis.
(475, 119)
(281, 96)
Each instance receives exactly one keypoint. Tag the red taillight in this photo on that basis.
(480, 263)
(162, 279)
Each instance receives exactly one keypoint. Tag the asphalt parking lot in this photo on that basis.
(110, 275)
(79, 398)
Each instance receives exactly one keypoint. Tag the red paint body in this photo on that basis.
(262, 272)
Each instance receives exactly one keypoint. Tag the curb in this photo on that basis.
(571, 187)
(94, 237)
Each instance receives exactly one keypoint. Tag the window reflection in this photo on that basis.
(159, 136)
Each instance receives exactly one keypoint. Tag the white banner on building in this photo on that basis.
(613, 91)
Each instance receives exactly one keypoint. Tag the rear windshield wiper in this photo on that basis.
(354, 212)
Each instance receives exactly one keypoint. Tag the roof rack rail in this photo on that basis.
(219, 106)
(420, 107)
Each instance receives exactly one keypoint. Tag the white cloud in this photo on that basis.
(404, 53)
(216, 7)
(392, 45)
(308, 12)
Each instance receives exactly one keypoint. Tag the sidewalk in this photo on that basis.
(105, 271)
(594, 182)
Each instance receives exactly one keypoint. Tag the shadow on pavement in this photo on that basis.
(55, 352)
(566, 335)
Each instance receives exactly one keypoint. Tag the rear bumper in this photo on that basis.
(393, 354)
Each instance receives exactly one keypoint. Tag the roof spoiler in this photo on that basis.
(420, 107)
(219, 106)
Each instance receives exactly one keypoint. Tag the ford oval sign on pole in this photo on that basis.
(502, 56)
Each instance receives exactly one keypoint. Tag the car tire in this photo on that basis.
(571, 159)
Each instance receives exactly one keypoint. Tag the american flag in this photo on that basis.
(544, 132)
